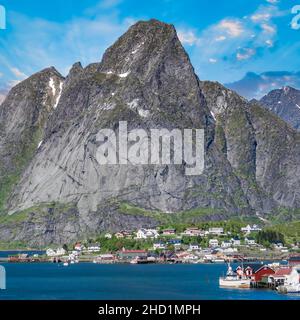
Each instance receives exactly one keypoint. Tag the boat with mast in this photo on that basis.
(234, 279)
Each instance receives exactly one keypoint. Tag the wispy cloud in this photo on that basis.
(273, 1)
(245, 54)
(187, 37)
(109, 3)
(18, 73)
(236, 41)
(233, 28)
(58, 44)
(212, 60)
(267, 28)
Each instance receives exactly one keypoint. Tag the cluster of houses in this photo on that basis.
(221, 246)
(78, 248)
(216, 232)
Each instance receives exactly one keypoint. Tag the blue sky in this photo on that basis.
(225, 39)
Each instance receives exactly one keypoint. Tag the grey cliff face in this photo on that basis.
(285, 103)
(262, 149)
(23, 116)
(63, 194)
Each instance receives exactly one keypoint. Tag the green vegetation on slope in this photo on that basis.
(20, 160)
(290, 231)
(187, 217)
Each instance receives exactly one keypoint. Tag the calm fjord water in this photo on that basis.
(89, 281)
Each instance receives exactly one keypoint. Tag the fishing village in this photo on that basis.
(257, 262)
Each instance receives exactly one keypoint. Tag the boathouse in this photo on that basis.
(284, 276)
(258, 274)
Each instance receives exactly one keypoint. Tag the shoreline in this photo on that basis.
(48, 260)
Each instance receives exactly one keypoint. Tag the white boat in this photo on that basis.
(66, 264)
(293, 288)
(290, 288)
(232, 280)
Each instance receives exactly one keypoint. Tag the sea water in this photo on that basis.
(88, 281)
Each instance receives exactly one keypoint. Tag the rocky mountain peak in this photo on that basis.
(285, 103)
(74, 72)
(146, 46)
(221, 100)
(31, 99)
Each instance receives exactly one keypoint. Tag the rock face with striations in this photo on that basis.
(262, 149)
(61, 192)
(285, 103)
(23, 117)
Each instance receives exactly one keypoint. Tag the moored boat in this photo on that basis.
(234, 280)
(291, 288)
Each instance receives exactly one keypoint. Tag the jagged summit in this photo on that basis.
(285, 103)
(74, 72)
(145, 47)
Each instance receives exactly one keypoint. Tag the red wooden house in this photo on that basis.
(257, 271)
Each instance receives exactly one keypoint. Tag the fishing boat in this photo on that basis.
(234, 280)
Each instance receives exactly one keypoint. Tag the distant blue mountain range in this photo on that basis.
(257, 85)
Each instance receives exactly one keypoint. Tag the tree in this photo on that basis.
(266, 237)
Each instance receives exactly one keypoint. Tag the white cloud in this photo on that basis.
(102, 5)
(270, 43)
(109, 3)
(273, 1)
(268, 28)
(212, 60)
(245, 54)
(220, 38)
(265, 13)
(187, 37)
(60, 44)
(18, 73)
(233, 28)
(261, 17)
(233, 41)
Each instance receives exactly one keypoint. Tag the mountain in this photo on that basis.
(23, 118)
(255, 86)
(285, 103)
(53, 188)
